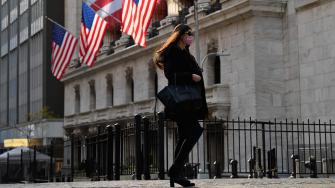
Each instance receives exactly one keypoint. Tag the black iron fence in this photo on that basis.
(143, 148)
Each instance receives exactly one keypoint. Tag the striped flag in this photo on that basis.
(63, 45)
(110, 10)
(93, 29)
(136, 16)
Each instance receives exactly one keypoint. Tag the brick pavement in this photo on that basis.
(203, 183)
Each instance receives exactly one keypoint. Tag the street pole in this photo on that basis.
(196, 32)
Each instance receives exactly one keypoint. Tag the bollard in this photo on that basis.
(110, 149)
(294, 165)
(146, 148)
(311, 165)
(258, 164)
(209, 170)
(251, 162)
(117, 168)
(138, 144)
(233, 164)
(217, 169)
(269, 172)
(161, 170)
(272, 164)
(324, 167)
(297, 164)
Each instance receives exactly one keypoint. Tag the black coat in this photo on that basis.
(179, 65)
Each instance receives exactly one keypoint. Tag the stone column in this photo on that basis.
(172, 8)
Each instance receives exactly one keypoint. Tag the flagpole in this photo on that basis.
(53, 21)
(196, 32)
(104, 11)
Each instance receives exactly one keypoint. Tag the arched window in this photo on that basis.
(213, 64)
(92, 95)
(129, 85)
(109, 90)
(77, 99)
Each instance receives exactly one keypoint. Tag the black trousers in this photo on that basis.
(189, 131)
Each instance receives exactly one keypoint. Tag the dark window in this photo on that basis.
(77, 99)
(92, 95)
(132, 89)
(217, 70)
(109, 90)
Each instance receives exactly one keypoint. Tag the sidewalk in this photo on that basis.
(203, 183)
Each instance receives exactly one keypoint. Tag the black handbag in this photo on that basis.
(179, 98)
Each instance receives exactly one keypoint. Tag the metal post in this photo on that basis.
(7, 166)
(117, 150)
(109, 152)
(72, 156)
(272, 164)
(264, 151)
(258, 164)
(251, 162)
(294, 165)
(269, 174)
(138, 147)
(21, 165)
(311, 165)
(297, 165)
(35, 164)
(217, 169)
(233, 164)
(161, 172)
(324, 167)
(51, 162)
(146, 169)
(98, 154)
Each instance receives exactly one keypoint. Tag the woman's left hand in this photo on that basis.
(196, 77)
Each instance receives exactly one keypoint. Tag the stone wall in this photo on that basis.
(310, 59)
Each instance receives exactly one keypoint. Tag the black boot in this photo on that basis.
(185, 149)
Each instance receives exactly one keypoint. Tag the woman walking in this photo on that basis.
(181, 68)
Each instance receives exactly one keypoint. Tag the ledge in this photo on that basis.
(305, 4)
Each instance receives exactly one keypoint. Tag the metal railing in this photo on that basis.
(144, 147)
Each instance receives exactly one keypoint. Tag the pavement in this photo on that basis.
(200, 183)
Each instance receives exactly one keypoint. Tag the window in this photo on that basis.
(129, 85)
(109, 90)
(77, 99)
(92, 95)
(217, 70)
(153, 80)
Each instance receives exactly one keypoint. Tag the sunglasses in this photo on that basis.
(189, 33)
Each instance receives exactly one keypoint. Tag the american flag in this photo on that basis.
(63, 45)
(136, 16)
(93, 29)
(110, 10)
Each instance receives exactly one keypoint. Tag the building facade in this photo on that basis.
(281, 64)
(29, 95)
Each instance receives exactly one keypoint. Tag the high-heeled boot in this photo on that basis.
(178, 164)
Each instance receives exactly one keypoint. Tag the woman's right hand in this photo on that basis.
(196, 77)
